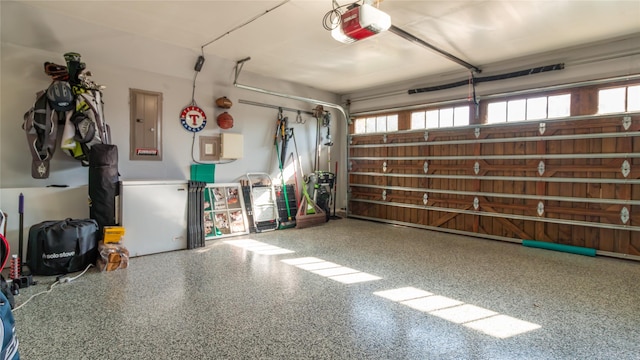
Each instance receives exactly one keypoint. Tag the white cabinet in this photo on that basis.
(154, 215)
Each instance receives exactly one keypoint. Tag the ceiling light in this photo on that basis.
(339, 35)
(360, 22)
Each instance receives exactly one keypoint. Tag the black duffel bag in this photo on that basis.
(62, 246)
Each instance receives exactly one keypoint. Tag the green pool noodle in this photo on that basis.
(560, 247)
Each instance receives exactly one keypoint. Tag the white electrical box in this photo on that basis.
(232, 146)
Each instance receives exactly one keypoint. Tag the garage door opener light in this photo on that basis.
(360, 22)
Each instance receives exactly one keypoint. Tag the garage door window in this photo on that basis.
(376, 124)
(619, 99)
(440, 118)
(533, 108)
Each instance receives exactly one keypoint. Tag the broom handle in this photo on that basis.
(335, 188)
(20, 229)
(284, 185)
(295, 178)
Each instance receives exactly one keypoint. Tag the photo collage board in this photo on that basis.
(224, 211)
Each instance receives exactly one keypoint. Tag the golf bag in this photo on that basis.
(40, 125)
(103, 184)
(4, 251)
(61, 247)
(9, 345)
(72, 102)
(84, 127)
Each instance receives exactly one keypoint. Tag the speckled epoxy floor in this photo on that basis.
(240, 300)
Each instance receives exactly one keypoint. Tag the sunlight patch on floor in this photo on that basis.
(403, 294)
(318, 266)
(340, 270)
(502, 326)
(431, 303)
(471, 316)
(331, 270)
(300, 261)
(463, 313)
(354, 278)
(258, 247)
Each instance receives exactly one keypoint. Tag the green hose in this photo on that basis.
(560, 247)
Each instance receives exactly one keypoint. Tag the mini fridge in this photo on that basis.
(154, 215)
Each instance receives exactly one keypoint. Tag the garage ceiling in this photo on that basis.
(290, 42)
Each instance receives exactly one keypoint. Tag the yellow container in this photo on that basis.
(112, 234)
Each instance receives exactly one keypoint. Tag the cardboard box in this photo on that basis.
(112, 234)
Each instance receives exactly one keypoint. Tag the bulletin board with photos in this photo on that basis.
(224, 211)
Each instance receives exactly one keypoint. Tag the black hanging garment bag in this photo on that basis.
(103, 184)
(61, 247)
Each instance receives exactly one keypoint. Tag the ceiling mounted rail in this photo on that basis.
(255, 103)
(238, 69)
(407, 36)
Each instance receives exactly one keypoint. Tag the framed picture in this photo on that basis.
(225, 213)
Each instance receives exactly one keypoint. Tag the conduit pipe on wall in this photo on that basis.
(300, 98)
(255, 103)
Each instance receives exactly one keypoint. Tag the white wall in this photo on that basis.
(30, 37)
(40, 204)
